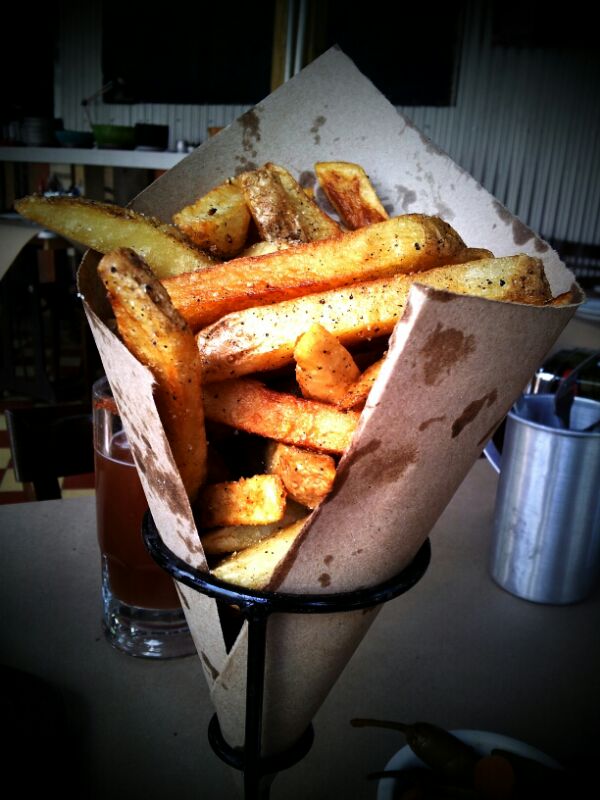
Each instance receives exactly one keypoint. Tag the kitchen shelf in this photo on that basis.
(136, 159)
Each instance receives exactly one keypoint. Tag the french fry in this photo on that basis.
(356, 396)
(255, 567)
(218, 221)
(249, 501)
(350, 192)
(231, 539)
(566, 298)
(250, 406)
(308, 477)
(281, 208)
(262, 248)
(105, 227)
(324, 368)
(471, 254)
(159, 338)
(409, 243)
(264, 338)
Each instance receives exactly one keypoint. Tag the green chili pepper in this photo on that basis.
(437, 748)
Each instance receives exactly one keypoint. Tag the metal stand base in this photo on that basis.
(256, 607)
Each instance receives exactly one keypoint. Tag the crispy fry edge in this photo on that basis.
(161, 340)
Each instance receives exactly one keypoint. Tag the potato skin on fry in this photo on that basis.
(105, 227)
(264, 338)
(412, 242)
(281, 208)
(252, 407)
(275, 218)
(159, 338)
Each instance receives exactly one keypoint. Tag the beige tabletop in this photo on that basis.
(456, 650)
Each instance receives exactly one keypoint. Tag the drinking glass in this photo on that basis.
(142, 615)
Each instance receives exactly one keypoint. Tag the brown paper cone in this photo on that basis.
(455, 366)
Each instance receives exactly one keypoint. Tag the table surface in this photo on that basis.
(456, 650)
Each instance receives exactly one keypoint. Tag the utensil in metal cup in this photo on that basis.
(546, 536)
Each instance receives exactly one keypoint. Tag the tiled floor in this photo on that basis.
(11, 491)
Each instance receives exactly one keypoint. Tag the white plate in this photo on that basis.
(482, 741)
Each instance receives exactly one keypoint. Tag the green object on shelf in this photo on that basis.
(115, 137)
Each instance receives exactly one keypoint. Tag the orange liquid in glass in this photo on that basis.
(134, 577)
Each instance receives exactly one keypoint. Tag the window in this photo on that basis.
(206, 53)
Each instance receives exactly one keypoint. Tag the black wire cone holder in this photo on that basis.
(255, 607)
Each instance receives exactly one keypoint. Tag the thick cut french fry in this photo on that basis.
(105, 227)
(308, 477)
(356, 396)
(264, 338)
(231, 539)
(255, 567)
(281, 208)
(350, 192)
(250, 406)
(158, 337)
(409, 243)
(324, 368)
(249, 501)
(218, 221)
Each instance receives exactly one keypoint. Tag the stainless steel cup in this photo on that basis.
(546, 539)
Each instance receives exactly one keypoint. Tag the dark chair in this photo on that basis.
(49, 442)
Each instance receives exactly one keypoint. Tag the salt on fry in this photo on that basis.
(161, 340)
(324, 367)
(308, 477)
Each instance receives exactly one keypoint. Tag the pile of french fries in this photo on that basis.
(265, 322)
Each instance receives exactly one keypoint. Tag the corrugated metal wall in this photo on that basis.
(525, 123)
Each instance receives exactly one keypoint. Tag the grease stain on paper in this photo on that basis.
(353, 458)
(317, 125)
(471, 411)
(405, 197)
(193, 547)
(520, 232)
(444, 348)
(394, 468)
(250, 124)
